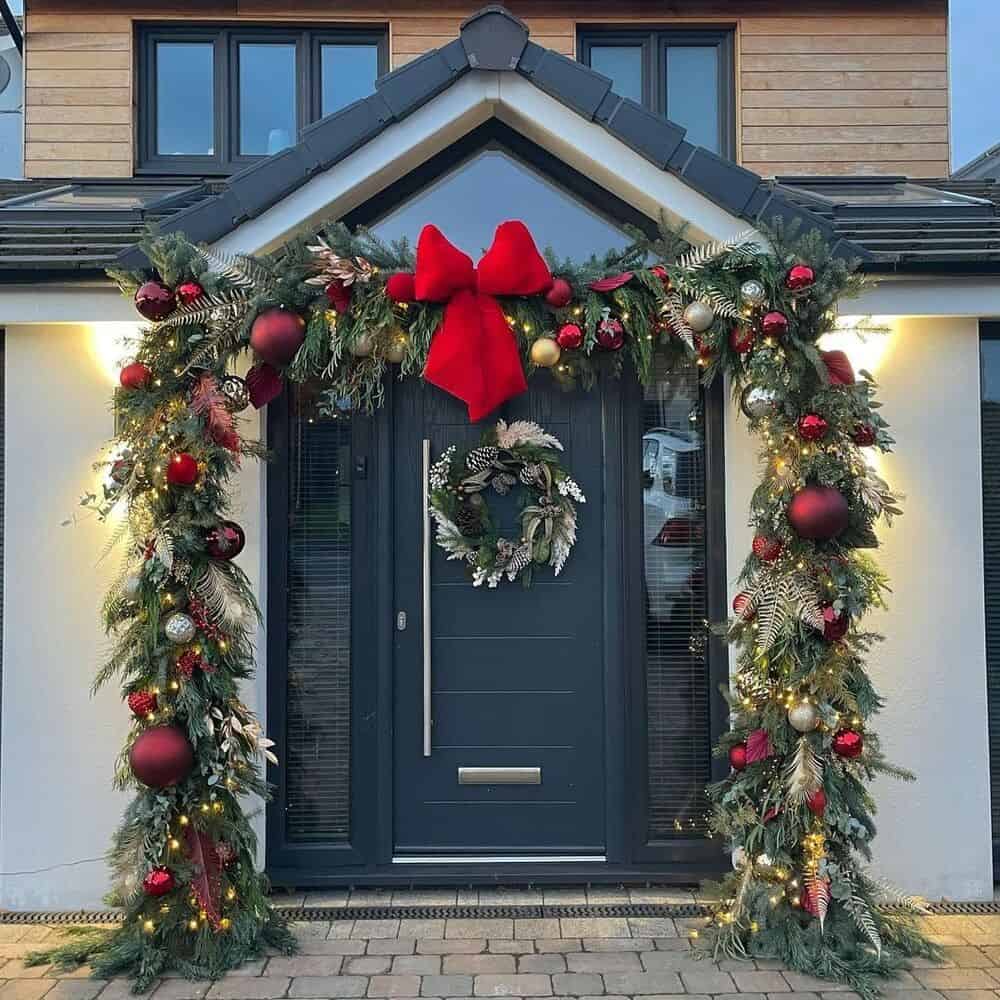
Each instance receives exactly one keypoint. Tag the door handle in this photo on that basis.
(426, 587)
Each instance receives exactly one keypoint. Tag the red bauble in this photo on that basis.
(188, 292)
(661, 272)
(154, 301)
(276, 335)
(818, 512)
(158, 882)
(182, 469)
(134, 376)
(225, 541)
(141, 703)
(816, 802)
(338, 295)
(400, 287)
(799, 277)
(741, 606)
(161, 757)
(864, 435)
(848, 743)
(774, 324)
(569, 337)
(838, 367)
(835, 623)
(560, 294)
(766, 548)
(610, 335)
(738, 757)
(741, 339)
(812, 427)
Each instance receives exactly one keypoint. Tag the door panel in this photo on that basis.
(518, 674)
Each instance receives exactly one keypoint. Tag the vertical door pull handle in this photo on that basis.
(426, 587)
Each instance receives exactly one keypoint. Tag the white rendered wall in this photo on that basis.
(934, 836)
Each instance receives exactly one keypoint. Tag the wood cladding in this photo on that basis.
(834, 89)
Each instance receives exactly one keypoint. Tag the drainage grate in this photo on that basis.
(948, 908)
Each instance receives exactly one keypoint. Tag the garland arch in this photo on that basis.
(351, 311)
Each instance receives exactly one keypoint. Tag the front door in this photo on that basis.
(517, 762)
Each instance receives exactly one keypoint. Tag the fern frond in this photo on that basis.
(223, 599)
(805, 772)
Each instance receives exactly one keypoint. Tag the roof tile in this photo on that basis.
(651, 135)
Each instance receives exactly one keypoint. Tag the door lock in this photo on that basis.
(400, 621)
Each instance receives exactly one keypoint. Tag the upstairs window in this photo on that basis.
(214, 99)
(685, 75)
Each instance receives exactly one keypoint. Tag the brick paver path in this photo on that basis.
(585, 957)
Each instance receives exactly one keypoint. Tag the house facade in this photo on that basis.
(565, 752)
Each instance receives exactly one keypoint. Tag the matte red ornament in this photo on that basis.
(225, 541)
(816, 801)
(560, 294)
(610, 335)
(155, 301)
(863, 435)
(835, 623)
(263, 385)
(161, 757)
(741, 606)
(774, 324)
(569, 337)
(135, 376)
(400, 287)
(182, 469)
(812, 427)
(338, 295)
(741, 339)
(848, 743)
(188, 292)
(738, 757)
(838, 367)
(610, 283)
(818, 512)
(799, 277)
(141, 703)
(158, 882)
(766, 548)
(276, 335)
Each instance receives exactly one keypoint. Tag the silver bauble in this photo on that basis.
(739, 858)
(756, 402)
(752, 293)
(132, 586)
(803, 718)
(699, 316)
(362, 346)
(180, 628)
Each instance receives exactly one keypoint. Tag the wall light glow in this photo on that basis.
(866, 340)
(110, 345)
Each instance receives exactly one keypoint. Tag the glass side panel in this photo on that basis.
(267, 93)
(318, 727)
(348, 73)
(124, 197)
(185, 99)
(677, 684)
(693, 92)
(623, 64)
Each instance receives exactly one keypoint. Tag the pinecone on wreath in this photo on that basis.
(519, 560)
(482, 458)
(469, 519)
(530, 473)
(502, 482)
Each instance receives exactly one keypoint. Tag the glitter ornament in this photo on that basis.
(812, 427)
(570, 337)
(179, 628)
(752, 293)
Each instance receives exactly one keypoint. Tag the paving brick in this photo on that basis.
(375, 929)
(330, 897)
(120, 988)
(510, 946)
(421, 928)
(760, 982)
(416, 965)
(564, 897)
(608, 961)
(801, 982)
(15, 949)
(640, 983)
(180, 989)
(302, 929)
(446, 986)
(745, 996)
(340, 930)
(435, 946)
(558, 945)
(394, 986)
(541, 963)
(672, 961)
(40, 932)
(672, 944)
(502, 896)
(956, 979)
(25, 989)
(338, 946)
(9, 933)
(769, 964)
(328, 987)
(391, 946)
(76, 989)
(576, 984)
(594, 927)
(707, 980)
(952, 995)
(652, 927)
(424, 897)
(617, 944)
(479, 929)
(606, 895)
(528, 985)
(370, 897)
(906, 981)
(474, 965)
(304, 965)
(967, 957)
(368, 965)
(547, 928)
(250, 988)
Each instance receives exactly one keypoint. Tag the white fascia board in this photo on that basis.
(934, 295)
(54, 304)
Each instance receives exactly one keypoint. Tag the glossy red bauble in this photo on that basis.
(738, 757)
(818, 512)
(864, 435)
(401, 287)
(812, 427)
(839, 369)
(799, 277)
(835, 623)
(135, 376)
(225, 541)
(560, 294)
(774, 324)
(766, 548)
(141, 703)
(161, 757)
(569, 337)
(182, 469)
(741, 339)
(154, 301)
(276, 335)
(816, 802)
(158, 882)
(741, 606)
(848, 743)
(188, 292)
(338, 295)
(610, 335)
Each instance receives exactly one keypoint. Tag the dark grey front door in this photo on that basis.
(518, 675)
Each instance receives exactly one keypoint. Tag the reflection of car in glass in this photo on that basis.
(672, 520)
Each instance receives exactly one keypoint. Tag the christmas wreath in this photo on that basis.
(510, 454)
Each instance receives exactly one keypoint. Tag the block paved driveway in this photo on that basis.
(611, 957)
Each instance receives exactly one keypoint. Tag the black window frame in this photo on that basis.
(226, 39)
(654, 43)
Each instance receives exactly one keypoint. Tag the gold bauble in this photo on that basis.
(396, 350)
(362, 345)
(545, 352)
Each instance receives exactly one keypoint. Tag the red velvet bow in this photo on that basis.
(474, 354)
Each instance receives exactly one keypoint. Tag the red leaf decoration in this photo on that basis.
(759, 746)
(609, 284)
(838, 367)
(772, 813)
(207, 401)
(263, 384)
(206, 883)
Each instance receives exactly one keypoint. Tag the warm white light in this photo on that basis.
(111, 345)
(866, 340)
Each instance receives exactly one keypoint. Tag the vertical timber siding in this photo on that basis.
(823, 91)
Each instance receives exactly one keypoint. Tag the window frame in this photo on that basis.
(226, 39)
(654, 43)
